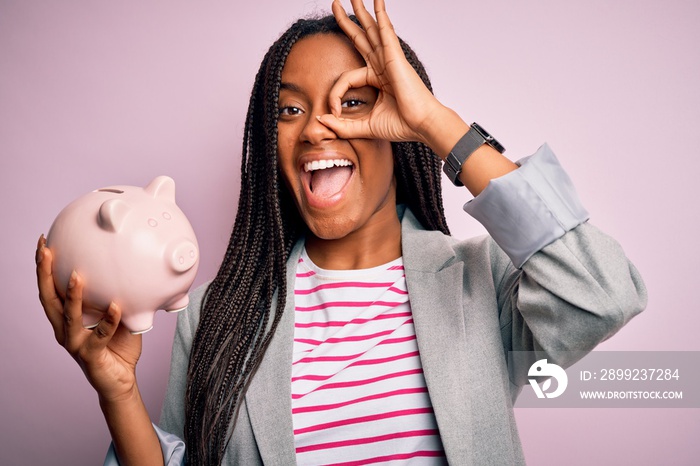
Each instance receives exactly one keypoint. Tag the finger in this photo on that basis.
(368, 23)
(50, 301)
(352, 30)
(347, 128)
(75, 334)
(389, 39)
(105, 329)
(348, 80)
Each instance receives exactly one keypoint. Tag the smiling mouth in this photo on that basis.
(328, 177)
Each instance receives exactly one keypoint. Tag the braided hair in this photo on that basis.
(237, 321)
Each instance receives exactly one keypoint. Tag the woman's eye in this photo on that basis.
(351, 103)
(290, 111)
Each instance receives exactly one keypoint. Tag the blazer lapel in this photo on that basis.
(435, 285)
(269, 396)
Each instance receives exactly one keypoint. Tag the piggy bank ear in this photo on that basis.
(112, 214)
(162, 187)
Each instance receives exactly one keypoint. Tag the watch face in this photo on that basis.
(484, 134)
(490, 140)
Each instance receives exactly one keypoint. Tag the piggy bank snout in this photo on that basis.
(182, 255)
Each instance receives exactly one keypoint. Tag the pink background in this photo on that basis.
(100, 93)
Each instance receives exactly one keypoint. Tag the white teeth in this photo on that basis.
(321, 164)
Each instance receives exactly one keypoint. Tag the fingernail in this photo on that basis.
(40, 249)
(71, 281)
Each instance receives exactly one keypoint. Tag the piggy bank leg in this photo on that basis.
(138, 323)
(91, 317)
(179, 305)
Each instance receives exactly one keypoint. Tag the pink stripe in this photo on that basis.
(363, 419)
(362, 441)
(397, 290)
(306, 274)
(344, 285)
(369, 362)
(396, 267)
(357, 383)
(395, 457)
(339, 323)
(388, 341)
(345, 339)
(363, 362)
(378, 396)
(346, 304)
(328, 358)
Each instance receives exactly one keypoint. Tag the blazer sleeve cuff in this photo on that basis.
(529, 208)
(173, 450)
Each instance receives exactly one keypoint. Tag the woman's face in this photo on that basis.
(340, 186)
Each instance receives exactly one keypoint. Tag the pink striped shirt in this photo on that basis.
(358, 391)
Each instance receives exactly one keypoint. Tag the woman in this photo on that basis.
(341, 277)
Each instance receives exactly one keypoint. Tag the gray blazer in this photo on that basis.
(470, 307)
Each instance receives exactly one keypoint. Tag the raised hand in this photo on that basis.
(405, 110)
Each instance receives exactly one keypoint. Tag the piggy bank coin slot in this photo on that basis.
(109, 190)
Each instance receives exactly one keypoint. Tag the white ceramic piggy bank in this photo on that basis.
(131, 245)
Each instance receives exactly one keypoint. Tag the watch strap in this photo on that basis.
(465, 147)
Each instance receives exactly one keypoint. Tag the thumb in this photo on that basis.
(346, 128)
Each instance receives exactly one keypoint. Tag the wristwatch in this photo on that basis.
(470, 142)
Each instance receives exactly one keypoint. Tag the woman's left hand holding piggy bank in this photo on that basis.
(107, 355)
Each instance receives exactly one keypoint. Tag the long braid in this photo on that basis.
(237, 322)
